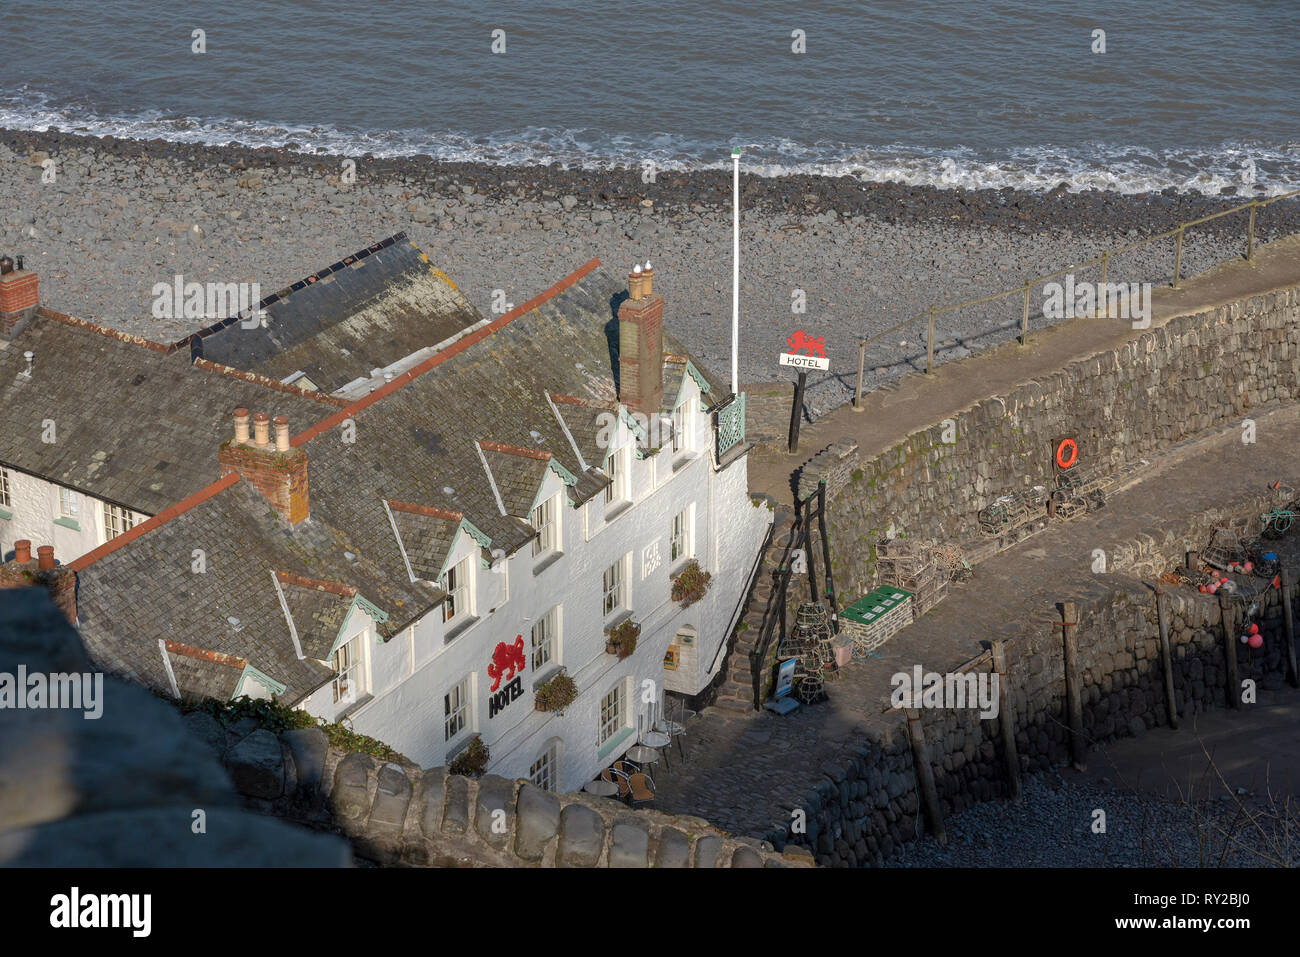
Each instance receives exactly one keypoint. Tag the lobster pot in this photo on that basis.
(874, 618)
(909, 566)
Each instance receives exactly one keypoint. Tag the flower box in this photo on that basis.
(621, 639)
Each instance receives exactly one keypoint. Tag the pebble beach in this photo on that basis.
(118, 216)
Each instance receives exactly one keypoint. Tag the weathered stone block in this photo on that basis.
(582, 834)
(494, 810)
(537, 821)
(257, 765)
(629, 845)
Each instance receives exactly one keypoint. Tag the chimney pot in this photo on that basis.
(45, 557)
(241, 426)
(281, 433)
(634, 283)
(261, 429)
(23, 550)
(6, 265)
(647, 279)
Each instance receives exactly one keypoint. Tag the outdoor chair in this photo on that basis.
(643, 788)
(619, 778)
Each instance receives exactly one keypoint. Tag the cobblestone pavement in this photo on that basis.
(744, 772)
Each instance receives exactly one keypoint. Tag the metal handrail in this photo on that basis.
(1104, 260)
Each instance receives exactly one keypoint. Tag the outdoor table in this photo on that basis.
(643, 754)
(674, 730)
(655, 739)
(601, 788)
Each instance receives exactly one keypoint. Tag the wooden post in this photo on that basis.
(1166, 658)
(1178, 256)
(796, 412)
(929, 348)
(1250, 232)
(810, 557)
(925, 776)
(862, 358)
(1007, 721)
(1073, 698)
(826, 555)
(1232, 686)
(1288, 626)
(1024, 318)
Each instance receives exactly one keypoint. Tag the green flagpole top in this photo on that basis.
(735, 151)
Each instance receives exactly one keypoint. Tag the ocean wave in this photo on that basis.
(1248, 168)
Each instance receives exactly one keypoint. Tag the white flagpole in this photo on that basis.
(735, 272)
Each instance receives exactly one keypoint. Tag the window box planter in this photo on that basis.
(690, 584)
(621, 639)
(472, 760)
(556, 694)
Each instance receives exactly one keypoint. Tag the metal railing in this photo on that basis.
(1103, 260)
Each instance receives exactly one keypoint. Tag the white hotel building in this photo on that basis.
(465, 510)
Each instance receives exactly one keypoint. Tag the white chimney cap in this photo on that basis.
(636, 270)
(647, 265)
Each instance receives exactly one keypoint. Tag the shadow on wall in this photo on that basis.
(81, 790)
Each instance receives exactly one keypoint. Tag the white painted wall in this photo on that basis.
(412, 672)
(33, 509)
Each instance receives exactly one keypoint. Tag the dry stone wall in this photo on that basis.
(400, 815)
(867, 805)
(1123, 405)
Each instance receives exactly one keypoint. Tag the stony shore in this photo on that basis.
(122, 215)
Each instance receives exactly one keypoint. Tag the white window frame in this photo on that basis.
(459, 584)
(545, 518)
(680, 547)
(348, 661)
(681, 427)
(544, 772)
(612, 599)
(616, 468)
(455, 710)
(117, 521)
(611, 718)
(6, 489)
(69, 503)
(547, 652)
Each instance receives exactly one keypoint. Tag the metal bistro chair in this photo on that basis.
(621, 779)
(675, 727)
(642, 787)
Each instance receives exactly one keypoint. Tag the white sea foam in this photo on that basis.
(1251, 169)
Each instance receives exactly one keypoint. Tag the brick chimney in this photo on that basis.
(275, 469)
(18, 297)
(59, 580)
(641, 344)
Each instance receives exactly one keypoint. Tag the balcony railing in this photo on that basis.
(729, 424)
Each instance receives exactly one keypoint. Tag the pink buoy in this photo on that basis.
(1249, 567)
(1253, 629)
(1256, 641)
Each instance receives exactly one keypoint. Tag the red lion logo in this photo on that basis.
(506, 658)
(807, 344)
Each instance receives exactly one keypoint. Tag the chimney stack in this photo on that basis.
(640, 344)
(277, 470)
(18, 297)
(59, 580)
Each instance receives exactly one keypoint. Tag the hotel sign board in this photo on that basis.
(805, 362)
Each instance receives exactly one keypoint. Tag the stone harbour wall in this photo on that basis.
(867, 805)
(1194, 373)
(399, 815)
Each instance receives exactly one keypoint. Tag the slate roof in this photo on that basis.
(419, 450)
(365, 312)
(134, 424)
(146, 590)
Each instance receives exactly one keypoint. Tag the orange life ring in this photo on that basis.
(1060, 453)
